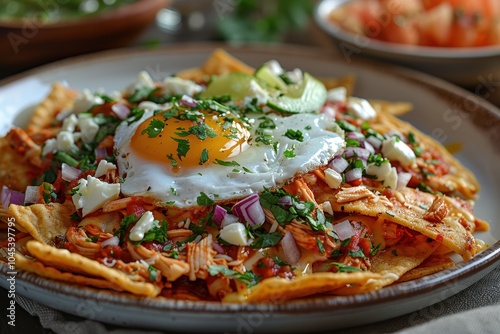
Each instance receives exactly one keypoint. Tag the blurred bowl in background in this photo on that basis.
(27, 42)
(468, 67)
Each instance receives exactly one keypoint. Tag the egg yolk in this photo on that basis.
(182, 141)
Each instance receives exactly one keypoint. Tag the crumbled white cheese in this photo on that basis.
(143, 225)
(275, 67)
(65, 141)
(255, 91)
(327, 207)
(391, 179)
(380, 172)
(338, 94)
(49, 146)
(178, 86)
(88, 127)
(361, 108)
(93, 194)
(143, 79)
(332, 178)
(69, 123)
(395, 149)
(295, 75)
(85, 101)
(235, 234)
(103, 167)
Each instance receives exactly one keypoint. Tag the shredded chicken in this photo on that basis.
(437, 211)
(199, 257)
(352, 194)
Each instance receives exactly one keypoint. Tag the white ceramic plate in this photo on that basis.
(448, 113)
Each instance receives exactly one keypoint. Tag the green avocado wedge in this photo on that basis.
(307, 96)
(236, 85)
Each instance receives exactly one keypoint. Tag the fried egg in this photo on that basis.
(174, 156)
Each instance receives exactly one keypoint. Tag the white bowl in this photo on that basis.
(472, 67)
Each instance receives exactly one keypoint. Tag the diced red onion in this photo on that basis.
(367, 146)
(121, 111)
(219, 214)
(113, 241)
(357, 151)
(355, 135)
(218, 248)
(285, 200)
(188, 101)
(32, 194)
(101, 153)
(229, 219)
(69, 173)
(250, 211)
(395, 133)
(291, 252)
(353, 174)
(338, 164)
(328, 111)
(344, 230)
(10, 196)
(403, 179)
(109, 263)
(376, 143)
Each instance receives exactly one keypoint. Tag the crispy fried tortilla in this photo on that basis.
(64, 260)
(43, 222)
(410, 208)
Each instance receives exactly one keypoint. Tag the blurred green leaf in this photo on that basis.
(264, 21)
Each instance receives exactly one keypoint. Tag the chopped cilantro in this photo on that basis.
(92, 239)
(294, 135)
(290, 153)
(265, 240)
(248, 277)
(320, 246)
(152, 273)
(358, 253)
(342, 268)
(394, 252)
(124, 225)
(202, 131)
(204, 156)
(204, 200)
(375, 249)
(140, 94)
(172, 160)
(154, 128)
(352, 142)
(182, 147)
(156, 233)
(226, 163)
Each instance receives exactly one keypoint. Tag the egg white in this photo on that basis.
(269, 167)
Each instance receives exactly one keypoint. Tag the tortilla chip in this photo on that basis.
(347, 81)
(19, 161)
(23, 263)
(406, 209)
(459, 181)
(219, 62)
(63, 259)
(43, 221)
(393, 108)
(279, 289)
(58, 99)
(393, 262)
(431, 265)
